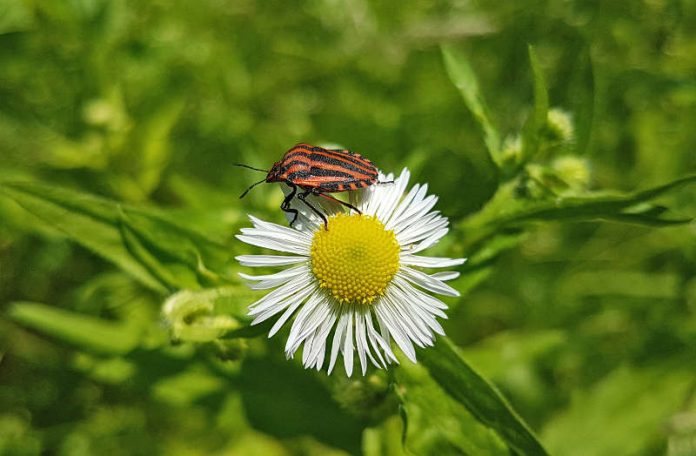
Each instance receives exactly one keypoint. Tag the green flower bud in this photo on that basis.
(559, 126)
(190, 316)
(368, 398)
(573, 170)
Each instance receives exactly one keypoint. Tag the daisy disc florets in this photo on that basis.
(357, 285)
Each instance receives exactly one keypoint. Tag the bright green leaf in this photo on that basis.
(85, 220)
(85, 332)
(625, 208)
(434, 423)
(480, 397)
(153, 250)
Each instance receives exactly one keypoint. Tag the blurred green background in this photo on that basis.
(586, 323)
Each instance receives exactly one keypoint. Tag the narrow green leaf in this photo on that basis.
(85, 332)
(581, 92)
(437, 423)
(480, 397)
(608, 207)
(533, 128)
(463, 77)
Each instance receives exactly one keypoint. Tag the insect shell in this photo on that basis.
(318, 171)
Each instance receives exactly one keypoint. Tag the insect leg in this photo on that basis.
(285, 205)
(333, 198)
(302, 197)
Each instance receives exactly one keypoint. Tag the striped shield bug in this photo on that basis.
(318, 171)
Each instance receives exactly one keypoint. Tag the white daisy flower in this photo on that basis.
(359, 280)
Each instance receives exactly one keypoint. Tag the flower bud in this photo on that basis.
(559, 126)
(190, 316)
(573, 170)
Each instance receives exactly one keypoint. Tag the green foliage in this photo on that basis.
(467, 387)
(123, 324)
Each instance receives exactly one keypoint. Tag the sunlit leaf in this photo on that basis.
(153, 250)
(480, 397)
(624, 208)
(85, 220)
(83, 331)
(437, 423)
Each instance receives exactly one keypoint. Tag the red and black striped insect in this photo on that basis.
(318, 171)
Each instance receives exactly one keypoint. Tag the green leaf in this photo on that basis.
(624, 208)
(153, 250)
(463, 77)
(533, 128)
(205, 315)
(15, 16)
(481, 398)
(581, 92)
(507, 210)
(172, 279)
(438, 424)
(85, 332)
(178, 248)
(634, 403)
(84, 219)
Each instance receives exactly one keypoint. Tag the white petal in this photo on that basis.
(288, 290)
(279, 230)
(446, 275)
(416, 232)
(403, 206)
(427, 282)
(391, 195)
(291, 304)
(418, 207)
(313, 313)
(295, 303)
(348, 344)
(430, 262)
(361, 341)
(371, 198)
(256, 261)
(378, 344)
(268, 243)
(390, 324)
(409, 321)
(417, 310)
(429, 241)
(423, 299)
(262, 227)
(338, 339)
(274, 280)
(321, 334)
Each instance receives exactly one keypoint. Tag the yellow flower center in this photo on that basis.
(356, 258)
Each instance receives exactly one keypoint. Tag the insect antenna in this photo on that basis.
(250, 187)
(250, 167)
